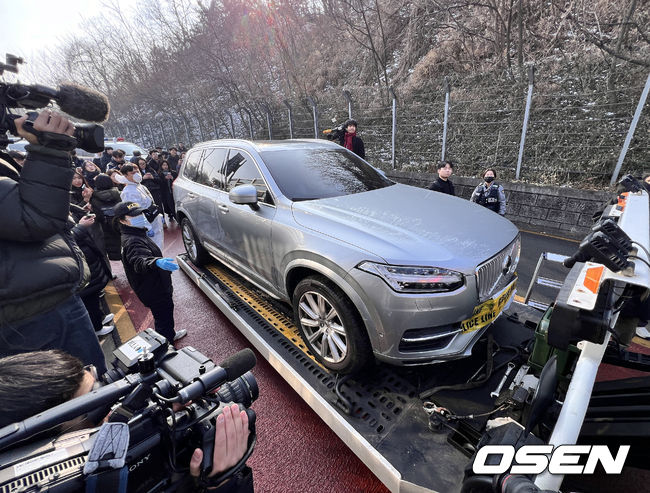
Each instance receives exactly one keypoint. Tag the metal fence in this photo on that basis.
(569, 136)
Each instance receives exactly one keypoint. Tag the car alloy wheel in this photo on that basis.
(323, 327)
(198, 255)
(330, 325)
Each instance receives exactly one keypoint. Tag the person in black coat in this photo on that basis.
(443, 184)
(148, 272)
(350, 141)
(104, 198)
(167, 178)
(44, 268)
(100, 273)
(105, 158)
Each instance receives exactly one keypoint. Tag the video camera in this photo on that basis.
(76, 101)
(163, 404)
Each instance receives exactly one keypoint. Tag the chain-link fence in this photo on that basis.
(571, 136)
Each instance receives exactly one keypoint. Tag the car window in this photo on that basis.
(309, 174)
(240, 169)
(191, 165)
(210, 173)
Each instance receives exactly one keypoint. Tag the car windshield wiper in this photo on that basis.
(301, 199)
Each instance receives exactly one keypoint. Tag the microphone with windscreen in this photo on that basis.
(73, 99)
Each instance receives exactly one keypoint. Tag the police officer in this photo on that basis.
(490, 194)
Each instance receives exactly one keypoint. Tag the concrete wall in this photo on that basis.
(555, 210)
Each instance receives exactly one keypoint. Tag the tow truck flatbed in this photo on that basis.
(387, 426)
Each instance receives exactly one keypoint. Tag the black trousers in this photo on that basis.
(163, 315)
(92, 303)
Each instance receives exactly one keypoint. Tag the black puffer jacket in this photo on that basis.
(100, 269)
(41, 264)
(139, 254)
(102, 202)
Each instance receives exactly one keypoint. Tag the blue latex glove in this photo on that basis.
(167, 264)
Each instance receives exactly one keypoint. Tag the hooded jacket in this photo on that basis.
(41, 264)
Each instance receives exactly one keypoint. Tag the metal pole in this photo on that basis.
(268, 120)
(529, 99)
(216, 128)
(164, 135)
(250, 123)
(348, 96)
(446, 119)
(288, 105)
(315, 112)
(151, 135)
(139, 127)
(198, 122)
(174, 129)
(630, 132)
(187, 131)
(394, 132)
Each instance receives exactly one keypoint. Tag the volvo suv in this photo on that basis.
(371, 268)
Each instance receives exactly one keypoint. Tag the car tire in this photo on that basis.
(195, 251)
(330, 325)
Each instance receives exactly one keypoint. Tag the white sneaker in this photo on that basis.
(108, 319)
(180, 334)
(106, 329)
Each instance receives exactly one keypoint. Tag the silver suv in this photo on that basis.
(370, 267)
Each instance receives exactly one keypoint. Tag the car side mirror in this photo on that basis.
(244, 195)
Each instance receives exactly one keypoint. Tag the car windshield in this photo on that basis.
(310, 174)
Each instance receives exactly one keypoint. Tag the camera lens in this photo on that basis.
(243, 390)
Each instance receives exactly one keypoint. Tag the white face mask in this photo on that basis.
(120, 179)
(137, 177)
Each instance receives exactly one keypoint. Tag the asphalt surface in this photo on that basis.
(296, 451)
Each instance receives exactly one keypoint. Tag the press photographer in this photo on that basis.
(166, 426)
(39, 307)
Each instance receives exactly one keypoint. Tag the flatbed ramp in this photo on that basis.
(386, 426)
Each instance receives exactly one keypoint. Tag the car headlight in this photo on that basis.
(407, 279)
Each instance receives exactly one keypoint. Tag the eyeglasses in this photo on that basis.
(93, 373)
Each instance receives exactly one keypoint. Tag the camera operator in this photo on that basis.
(51, 378)
(43, 267)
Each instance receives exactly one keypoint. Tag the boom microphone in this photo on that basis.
(82, 102)
(239, 363)
(75, 100)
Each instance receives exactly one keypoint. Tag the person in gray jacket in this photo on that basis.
(42, 269)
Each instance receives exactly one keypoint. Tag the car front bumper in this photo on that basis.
(416, 329)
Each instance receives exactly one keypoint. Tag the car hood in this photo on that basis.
(406, 225)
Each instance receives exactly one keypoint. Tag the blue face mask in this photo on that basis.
(139, 222)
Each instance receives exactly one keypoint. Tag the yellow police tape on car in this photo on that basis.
(488, 311)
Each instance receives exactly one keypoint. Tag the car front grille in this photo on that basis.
(492, 275)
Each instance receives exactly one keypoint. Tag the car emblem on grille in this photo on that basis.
(505, 266)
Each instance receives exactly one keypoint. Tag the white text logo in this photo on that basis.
(535, 459)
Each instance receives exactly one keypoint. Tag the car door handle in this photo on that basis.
(223, 208)
(191, 195)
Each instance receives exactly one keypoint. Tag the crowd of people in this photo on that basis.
(63, 220)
